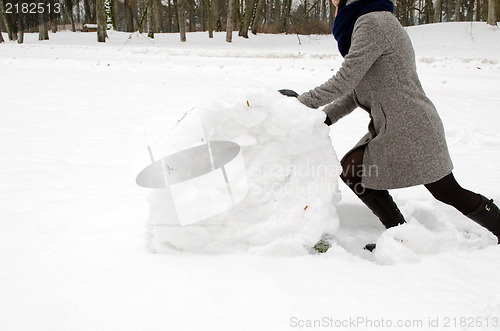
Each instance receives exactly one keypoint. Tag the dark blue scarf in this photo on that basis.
(347, 16)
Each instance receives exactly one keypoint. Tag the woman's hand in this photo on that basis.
(289, 93)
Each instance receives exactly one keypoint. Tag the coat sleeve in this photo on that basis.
(367, 45)
(340, 107)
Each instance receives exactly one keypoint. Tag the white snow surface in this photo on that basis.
(75, 228)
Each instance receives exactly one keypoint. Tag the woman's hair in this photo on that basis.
(342, 4)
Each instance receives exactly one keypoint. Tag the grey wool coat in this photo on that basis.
(405, 145)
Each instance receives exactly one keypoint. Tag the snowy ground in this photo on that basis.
(73, 248)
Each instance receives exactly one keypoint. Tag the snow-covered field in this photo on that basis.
(74, 237)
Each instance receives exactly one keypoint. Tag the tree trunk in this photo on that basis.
(10, 26)
(151, 28)
(277, 11)
(458, 5)
(129, 14)
(71, 16)
(258, 15)
(89, 17)
(158, 16)
(210, 18)
(182, 20)
(217, 15)
(470, 11)
(247, 16)
(170, 17)
(229, 22)
(492, 17)
(429, 12)
(43, 32)
(437, 11)
(20, 25)
(5, 21)
(287, 14)
(332, 13)
(78, 19)
(269, 10)
(101, 21)
(53, 17)
(1, 38)
(190, 6)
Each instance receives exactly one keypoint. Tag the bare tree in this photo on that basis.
(3, 19)
(20, 25)
(257, 18)
(492, 17)
(131, 15)
(429, 11)
(470, 10)
(43, 31)
(101, 21)
(53, 17)
(9, 25)
(151, 23)
(458, 14)
(229, 22)
(89, 14)
(437, 11)
(181, 19)
(70, 15)
(191, 13)
(210, 18)
(247, 16)
(158, 15)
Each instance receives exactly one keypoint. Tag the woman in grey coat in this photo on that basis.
(405, 144)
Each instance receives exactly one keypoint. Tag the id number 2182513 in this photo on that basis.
(32, 8)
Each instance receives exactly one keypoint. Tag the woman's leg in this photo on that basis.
(379, 201)
(448, 191)
(352, 171)
(473, 205)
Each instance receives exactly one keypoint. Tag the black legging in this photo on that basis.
(446, 190)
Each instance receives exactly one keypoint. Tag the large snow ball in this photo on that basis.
(252, 171)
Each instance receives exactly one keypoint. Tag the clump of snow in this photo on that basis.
(291, 172)
(412, 241)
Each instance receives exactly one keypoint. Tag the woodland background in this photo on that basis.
(181, 16)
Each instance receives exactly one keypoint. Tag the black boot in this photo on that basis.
(382, 205)
(488, 216)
